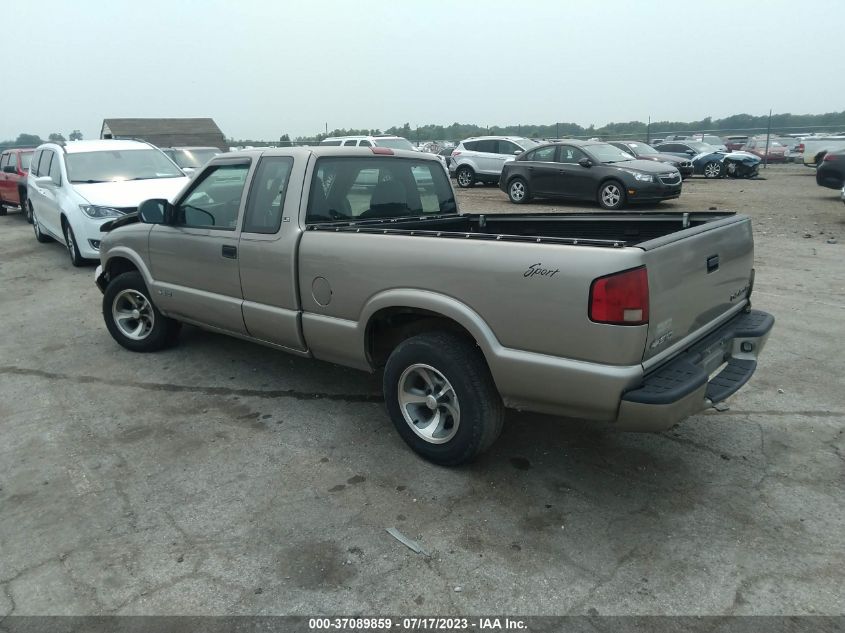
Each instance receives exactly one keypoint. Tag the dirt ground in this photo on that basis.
(220, 477)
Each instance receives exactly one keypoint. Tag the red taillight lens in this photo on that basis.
(456, 153)
(621, 298)
(382, 150)
(800, 148)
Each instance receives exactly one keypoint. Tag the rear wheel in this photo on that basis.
(36, 227)
(466, 177)
(611, 195)
(441, 398)
(131, 317)
(713, 169)
(518, 191)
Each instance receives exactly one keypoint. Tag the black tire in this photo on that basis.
(518, 191)
(611, 195)
(164, 331)
(713, 169)
(2, 209)
(72, 247)
(465, 177)
(39, 236)
(28, 211)
(23, 201)
(460, 362)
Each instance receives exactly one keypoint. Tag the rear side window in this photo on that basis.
(350, 143)
(491, 147)
(330, 143)
(365, 143)
(266, 200)
(4, 160)
(363, 188)
(543, 155)
(471, 146)
(25, 158)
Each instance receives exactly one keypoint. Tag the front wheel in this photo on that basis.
(518, 191)
(72, 247)
(713, 169)
(441, 398)
(611, 195)
(465, 177)
(131, 317)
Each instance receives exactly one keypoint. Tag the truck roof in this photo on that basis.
(332, 150)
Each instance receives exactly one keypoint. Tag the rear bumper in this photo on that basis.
(683, 386)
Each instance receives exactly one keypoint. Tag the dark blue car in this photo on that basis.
(706, 159)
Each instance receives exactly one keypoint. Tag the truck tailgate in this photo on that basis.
(695, 277)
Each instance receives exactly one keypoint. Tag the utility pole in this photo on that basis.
(557, 130)
(768, 134)
(648, 131)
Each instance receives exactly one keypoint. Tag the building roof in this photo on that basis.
(167, 132)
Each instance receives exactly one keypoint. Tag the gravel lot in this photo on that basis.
(222, 477)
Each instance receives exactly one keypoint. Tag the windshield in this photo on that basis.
(193, 157)
(607, 153)
(642, 148)
(25, 158)
(117, 165)
(394, 143)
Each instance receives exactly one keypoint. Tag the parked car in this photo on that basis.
(647, 152)
(712, 140)
(794, 150)
(446, 153)
(73, 189)
(757, 146)
(609, 317)
(480, 159)
(831, 171)
(586, 170)
(734, 143)
(14, 168)
(706, 159)
(189, 159)
(393, 142)
(741, 164)
(814, 148)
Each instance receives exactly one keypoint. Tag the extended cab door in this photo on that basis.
(267, 251)
(194, 258)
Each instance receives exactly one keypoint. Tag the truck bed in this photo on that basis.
(589, 229)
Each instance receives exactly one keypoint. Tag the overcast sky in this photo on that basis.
(262, 68)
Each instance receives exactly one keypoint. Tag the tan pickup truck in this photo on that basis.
(361, 257)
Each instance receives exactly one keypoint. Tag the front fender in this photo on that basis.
(130, 255)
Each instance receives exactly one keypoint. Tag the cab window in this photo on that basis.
(213, 203)
(569, 154)
(266, 200)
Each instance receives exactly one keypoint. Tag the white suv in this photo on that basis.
(393, 142)
(73, 189)
(480, 159)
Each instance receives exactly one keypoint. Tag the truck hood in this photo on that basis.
(130, 193)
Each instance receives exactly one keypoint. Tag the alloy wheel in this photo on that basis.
(517, 190)
(133, 314)
(429, 403)
(611, 195)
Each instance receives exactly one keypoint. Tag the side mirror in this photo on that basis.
(43, 181)
(10, 169)
(517, 152)
(154, 211)
(585, 162)
(690, 152)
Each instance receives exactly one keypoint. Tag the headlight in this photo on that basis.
(93, 211)
(641, 177)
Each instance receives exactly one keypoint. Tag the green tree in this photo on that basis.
(55, 137)
(76, 135)
(30, 140)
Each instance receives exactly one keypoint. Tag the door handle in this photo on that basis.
(230, 252)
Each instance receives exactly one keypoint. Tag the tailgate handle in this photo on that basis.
(712, 263)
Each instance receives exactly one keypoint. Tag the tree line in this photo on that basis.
(780, 123)
(33, 140)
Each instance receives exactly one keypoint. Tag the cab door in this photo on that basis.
(542, 170)
(267, 252)
(194, 257)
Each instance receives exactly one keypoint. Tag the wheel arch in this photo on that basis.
(395, 315)
(121, 260)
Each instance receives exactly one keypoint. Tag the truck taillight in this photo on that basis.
(800, 148)
(621, 298)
